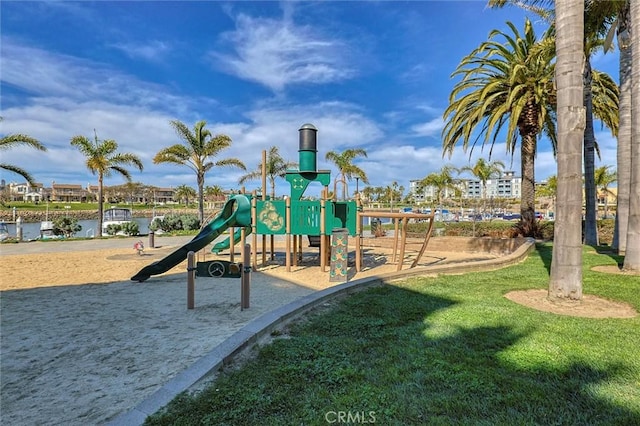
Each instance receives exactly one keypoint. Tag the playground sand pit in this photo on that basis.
(81, 343)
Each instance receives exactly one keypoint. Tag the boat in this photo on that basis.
(46, 231)
(153, 224)
(115, 216)
(4, 231)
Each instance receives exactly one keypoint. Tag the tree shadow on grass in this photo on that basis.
(545, 251)
(384, 356)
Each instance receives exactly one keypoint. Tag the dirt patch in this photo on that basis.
(589, 307)
(613, 269)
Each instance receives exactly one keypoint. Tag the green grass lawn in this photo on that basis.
(446, 350)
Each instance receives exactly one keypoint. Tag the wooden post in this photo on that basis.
(232, 245)
(403, 241)
(191, 278)
(245, 286)
(395, 238)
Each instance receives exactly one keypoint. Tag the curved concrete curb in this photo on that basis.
(265, 324)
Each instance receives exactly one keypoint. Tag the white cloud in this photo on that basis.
(430, 128)
(276, 53)
(153, 50)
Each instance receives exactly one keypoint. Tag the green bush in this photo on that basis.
(113, 229)
(504, 229)
(177, 222)
(131, 228)
(66, 226)
(190, 222)
(492, 229)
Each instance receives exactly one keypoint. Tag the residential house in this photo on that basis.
(68, 193)
(26, 192)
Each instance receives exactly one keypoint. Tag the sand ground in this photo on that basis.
(81, 343)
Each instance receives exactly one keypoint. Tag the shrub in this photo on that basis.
(113, 229)
(131, 228)
(190, 222)
(177, 222)
(66, 226)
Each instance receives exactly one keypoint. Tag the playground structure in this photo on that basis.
(326, 222)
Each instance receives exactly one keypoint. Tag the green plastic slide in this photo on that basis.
(224, 244)
(236, 212)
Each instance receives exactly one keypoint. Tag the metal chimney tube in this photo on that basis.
(308, 148)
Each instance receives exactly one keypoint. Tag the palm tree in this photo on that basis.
(276, 166)
(565, 281)
(103, 159)
(632, 251)
(603, 179)
(213, 193)
(440, 181)
(346, 169)
(13, 140)
(483, 171)
(621, 9)
(184, 193)
(550, 190)
(600, 98)
(200, 145)
(393, 192)
(507, 85)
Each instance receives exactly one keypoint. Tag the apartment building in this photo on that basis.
(508, 185)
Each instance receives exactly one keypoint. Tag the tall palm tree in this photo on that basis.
(184, 193)
(565, 281)
(603, 179)
(199, 146)
(276, 166)
(632, 251)
(346, 169)
(103, 159)
(507, 86)
(600, 94)
(622, 11)
(601, 99)
(440, 181)
(484, 170)
(14, 140)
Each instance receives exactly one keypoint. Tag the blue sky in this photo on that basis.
(367, 74)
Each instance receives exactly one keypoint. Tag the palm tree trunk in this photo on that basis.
(624, 136)
(590, 224)
(565, 281)
(527, 203)
(632, 252)
(100, 205)
(201, 198)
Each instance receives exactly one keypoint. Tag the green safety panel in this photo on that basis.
(305, 217)
(341, 214)
(271, 217)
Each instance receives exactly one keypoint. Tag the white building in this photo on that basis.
(506, 186)
(25, 192)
